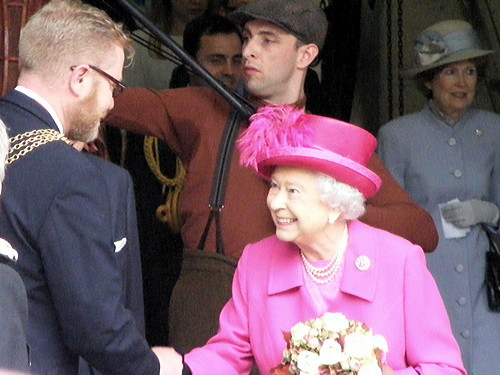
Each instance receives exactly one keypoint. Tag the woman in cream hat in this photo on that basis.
(447, 157)
(322, 259)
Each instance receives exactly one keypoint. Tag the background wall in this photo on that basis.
(13, 15)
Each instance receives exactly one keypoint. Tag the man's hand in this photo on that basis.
(471, 212)
(170, 360)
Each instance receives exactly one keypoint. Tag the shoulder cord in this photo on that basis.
(168, 212)
(23, 143)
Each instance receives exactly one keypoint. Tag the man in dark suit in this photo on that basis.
(71, 215)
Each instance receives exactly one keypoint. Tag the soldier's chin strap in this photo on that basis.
(237, 101)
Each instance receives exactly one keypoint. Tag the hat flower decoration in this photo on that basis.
(430, 48)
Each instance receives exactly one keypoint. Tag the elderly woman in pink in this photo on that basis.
(322, 259)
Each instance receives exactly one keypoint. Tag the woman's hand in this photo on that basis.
(386, 370)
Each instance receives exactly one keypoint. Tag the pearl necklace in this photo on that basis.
(323, 275)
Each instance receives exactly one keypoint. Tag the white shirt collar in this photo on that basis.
(33, 95)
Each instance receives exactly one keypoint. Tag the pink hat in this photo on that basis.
(284, 135)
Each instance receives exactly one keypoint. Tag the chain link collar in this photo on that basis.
(24, 143)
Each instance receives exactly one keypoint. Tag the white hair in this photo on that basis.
(338, 195)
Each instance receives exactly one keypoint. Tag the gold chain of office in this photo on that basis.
(24, 143)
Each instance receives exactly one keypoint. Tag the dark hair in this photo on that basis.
(179, 78)
(207, 24)
(427, 76)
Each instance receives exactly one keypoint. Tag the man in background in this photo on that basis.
(215, 42)
(281, 40)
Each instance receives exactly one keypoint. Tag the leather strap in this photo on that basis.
(219, 183)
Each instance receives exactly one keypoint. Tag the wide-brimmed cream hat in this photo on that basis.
(443, 43)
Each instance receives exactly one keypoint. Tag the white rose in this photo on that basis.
(308, 363)
(313, 343)
(313, 331)
(299, 332)
(358, 345)
(317, 324)
(379, 342)
(330, 353)
(335, 322)
(371, 368)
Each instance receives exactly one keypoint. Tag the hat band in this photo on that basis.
(431, 47)
(341, 168)
(324, 155)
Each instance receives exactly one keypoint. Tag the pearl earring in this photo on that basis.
(331, 220)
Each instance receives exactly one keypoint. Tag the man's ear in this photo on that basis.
(307, 54)
(80, 82)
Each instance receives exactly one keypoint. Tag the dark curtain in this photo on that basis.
(339, 58)
(116, 11)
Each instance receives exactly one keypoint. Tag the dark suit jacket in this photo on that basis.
(67, 214)
(13, 319)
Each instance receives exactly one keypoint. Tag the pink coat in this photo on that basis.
(396, 296)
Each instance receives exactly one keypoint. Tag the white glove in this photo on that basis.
(471, 212)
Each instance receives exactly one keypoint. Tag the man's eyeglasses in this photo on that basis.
(118, 87)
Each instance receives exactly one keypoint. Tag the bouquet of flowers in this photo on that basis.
(332, 345)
